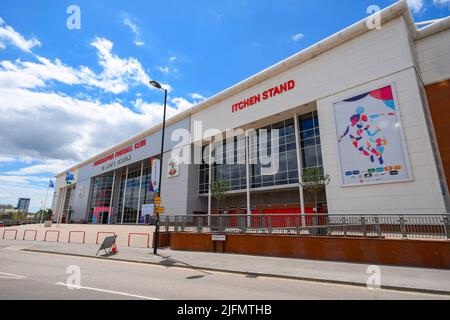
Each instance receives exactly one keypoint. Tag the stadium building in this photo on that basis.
(370, 106)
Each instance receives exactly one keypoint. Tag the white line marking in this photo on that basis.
(12, 275)
(105, 291)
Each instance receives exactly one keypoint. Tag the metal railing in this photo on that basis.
(379, 226)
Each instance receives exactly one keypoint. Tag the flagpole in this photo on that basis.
(45, 203)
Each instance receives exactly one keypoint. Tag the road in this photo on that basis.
(27, 275)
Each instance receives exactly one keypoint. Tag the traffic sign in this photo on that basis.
(160, 210)
(157, 201)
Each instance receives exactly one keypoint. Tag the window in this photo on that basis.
(287, 173)
(310, 140)
(100, 196)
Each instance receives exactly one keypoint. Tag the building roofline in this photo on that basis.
(392, 12)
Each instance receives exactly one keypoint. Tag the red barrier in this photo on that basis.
(83, 232)
(139, 234)
(46, 232)
(10, 230)
(25, 234)
(99, 233)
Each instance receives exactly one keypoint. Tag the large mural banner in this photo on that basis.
(371, 139)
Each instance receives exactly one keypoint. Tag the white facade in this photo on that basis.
(355, 61)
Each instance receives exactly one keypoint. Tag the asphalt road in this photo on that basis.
(26, 275)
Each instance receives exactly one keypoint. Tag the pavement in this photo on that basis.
(30, 275)
(432, 281)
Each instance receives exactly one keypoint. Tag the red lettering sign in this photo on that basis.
(121, 152)
(266, 95)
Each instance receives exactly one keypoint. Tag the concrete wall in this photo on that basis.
(433, 57)
(425, 254)
(174, 190)
(93, 234)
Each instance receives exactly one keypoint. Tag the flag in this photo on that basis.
(155, 165)
(69, 177)
(51, 184)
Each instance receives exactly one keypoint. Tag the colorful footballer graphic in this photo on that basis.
(370, 139)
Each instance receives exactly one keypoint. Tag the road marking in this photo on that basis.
(4, 275)
(105, 291)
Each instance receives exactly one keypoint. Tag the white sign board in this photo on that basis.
(156, 163)
(148, 209)
(173, 169)
(370, 139)
(219, 237)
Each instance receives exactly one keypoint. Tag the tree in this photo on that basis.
(46, 215)
(315, 180)
(219, 188)
(19, 215)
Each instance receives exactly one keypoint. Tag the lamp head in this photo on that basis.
(155, 84)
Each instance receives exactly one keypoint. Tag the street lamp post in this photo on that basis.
(158, 86)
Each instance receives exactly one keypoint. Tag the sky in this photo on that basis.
(67, 94)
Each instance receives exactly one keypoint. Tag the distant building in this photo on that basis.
(23, 204)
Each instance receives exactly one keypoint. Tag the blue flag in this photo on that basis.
(51, 185)
(69, 177)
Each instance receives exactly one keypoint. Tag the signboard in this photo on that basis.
(156, 163)
(219, 237)
(370, 139)
(159, 210)
(173, 169)
(263, 96)
(120, 157)
(147, 210)
(108, 243)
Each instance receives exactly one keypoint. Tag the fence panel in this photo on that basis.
(380, 226)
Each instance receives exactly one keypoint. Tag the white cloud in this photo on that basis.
(116, 76)
(6, 159)
(9, 36)
(163, 70)
(441, 2)
(297, 37)
(181, 104)
(117, 72)
(44, 125)
(135, 29)
(416, 5)
(52, 166)
(197, 96)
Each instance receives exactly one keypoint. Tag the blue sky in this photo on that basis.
(66, 95)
